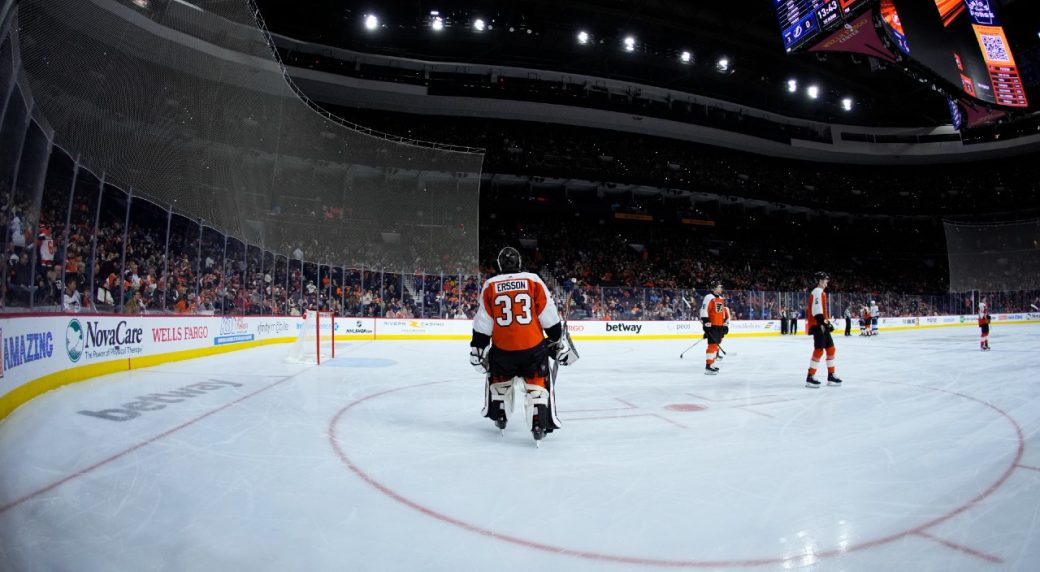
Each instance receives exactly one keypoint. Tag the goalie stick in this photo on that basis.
(566, 332)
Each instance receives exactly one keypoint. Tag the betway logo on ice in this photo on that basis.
(156, 401)
(634, 328)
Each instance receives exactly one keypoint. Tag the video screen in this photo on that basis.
(802, 20)
(960, 41)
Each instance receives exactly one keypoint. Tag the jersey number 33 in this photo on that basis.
(514, 307)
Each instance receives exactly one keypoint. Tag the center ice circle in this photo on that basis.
(503, 488)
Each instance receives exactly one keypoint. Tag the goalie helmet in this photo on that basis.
(508, 260)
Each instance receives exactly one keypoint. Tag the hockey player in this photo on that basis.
(716, 314)
(984, 325)
(874, 313)
(864, 328)
(820, 327)
(518, 318)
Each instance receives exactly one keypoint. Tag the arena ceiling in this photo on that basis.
(544, 35)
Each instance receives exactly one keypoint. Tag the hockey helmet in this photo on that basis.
(508, 260)
(818, 276)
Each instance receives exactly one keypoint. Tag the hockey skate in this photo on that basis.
(812, 382)
(537, 426)
(832, 379)
(711, 370)
(536, 408)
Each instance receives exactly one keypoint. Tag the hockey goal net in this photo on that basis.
(316, 341)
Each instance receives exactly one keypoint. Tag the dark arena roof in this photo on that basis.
(745, 35)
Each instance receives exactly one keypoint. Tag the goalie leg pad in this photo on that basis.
(498, 396)
(536, 401)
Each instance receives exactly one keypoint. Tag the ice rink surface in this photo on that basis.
(928, 458)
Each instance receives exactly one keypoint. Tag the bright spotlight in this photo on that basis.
(722, 64)
(583, 37)
(479, 25)
(846, 104)
(685, 57)
(630, 44)
(437, 24)
(371, 22)
(792, 85)
(813, 92)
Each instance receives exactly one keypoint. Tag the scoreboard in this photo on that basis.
(960, 41)
(802, 20)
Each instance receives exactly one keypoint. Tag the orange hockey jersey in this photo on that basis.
(515, 309)
(817, 305)
(717, 312)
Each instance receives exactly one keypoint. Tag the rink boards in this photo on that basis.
(41, 352)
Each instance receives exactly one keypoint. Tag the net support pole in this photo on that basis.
(245, 268)
(317, 335)
(68, 222)
(197, 283)
(263, 283)
(165, 277)
(332, 334)
(38, 186)
(93, 241)
(122, 254)
(223, 278)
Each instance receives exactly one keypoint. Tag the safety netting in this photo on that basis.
(187, 105)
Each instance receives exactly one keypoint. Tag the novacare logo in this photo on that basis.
(75, 340)
(624, 328)
(97, 342)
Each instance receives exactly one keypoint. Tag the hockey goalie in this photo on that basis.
(519, 320)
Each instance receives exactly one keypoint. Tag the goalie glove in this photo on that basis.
(478, 359)
(566, 357)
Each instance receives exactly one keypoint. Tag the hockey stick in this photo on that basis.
(566, 332)
(690, 348)
(1033, 306)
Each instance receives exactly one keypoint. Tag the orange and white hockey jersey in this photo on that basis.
(718, 314)
(817, 305)
(515, 309)
(983, 314)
